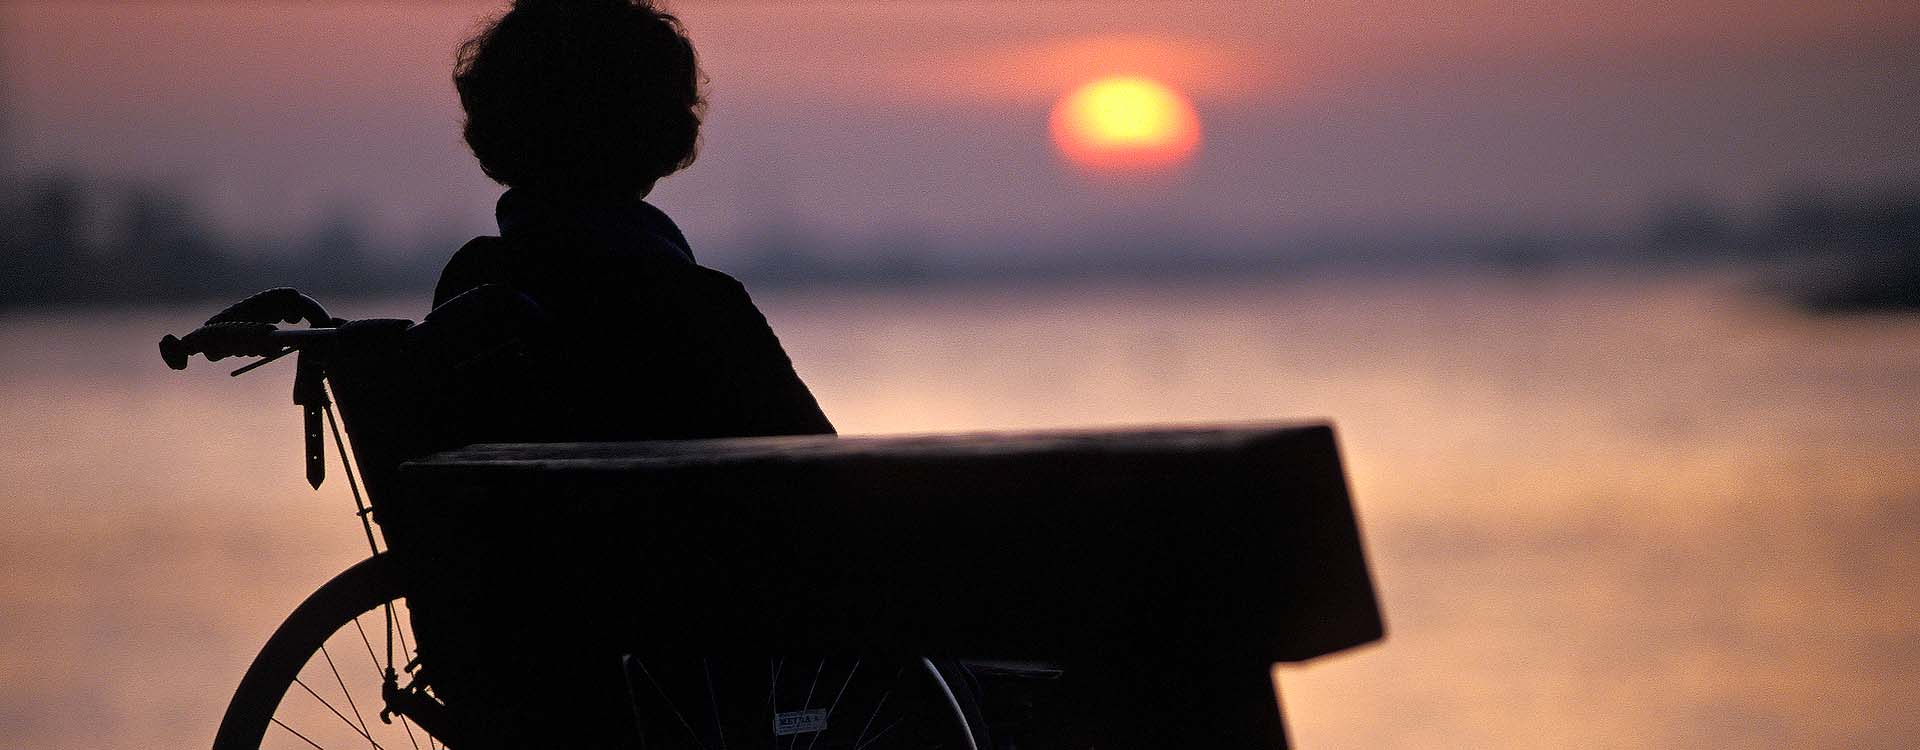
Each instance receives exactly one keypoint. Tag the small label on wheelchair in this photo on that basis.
(799, 722)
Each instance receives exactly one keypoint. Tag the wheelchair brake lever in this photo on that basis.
(244, 369)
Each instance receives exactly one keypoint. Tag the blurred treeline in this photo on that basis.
(1829, 249)
(70, 240)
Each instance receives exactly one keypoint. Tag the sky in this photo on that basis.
(858, 124)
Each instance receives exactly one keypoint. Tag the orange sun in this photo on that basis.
(1126, 123)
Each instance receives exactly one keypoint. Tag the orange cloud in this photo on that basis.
(1042, 71)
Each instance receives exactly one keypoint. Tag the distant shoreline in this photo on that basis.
(74, 243)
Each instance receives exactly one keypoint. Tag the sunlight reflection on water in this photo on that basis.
(1601, 512)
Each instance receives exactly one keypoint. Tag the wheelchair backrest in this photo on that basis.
(477, 369)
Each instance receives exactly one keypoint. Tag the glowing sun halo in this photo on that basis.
(1126, 123)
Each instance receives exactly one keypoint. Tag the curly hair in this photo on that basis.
(581, 96)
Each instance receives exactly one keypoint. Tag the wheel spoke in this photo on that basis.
(377, 674)
(773, 683)
(402, 629)
(407, 725)
(808, 703)
(405, 648)
(349, 693)
(336, 712)
(836, 702)
(382, 677)
(872, 716)
(773, 699)
(670, 704)
(719, 731)
(883, 733)
(296, 732)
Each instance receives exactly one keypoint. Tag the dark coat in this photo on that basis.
(649, 344)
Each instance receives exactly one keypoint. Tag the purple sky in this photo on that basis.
(855, 121)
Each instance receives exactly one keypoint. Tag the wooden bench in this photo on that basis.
(1169, 567)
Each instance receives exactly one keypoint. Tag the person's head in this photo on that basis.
(581, 96)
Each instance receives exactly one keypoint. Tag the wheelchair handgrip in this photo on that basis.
(232, 339)
(277, 305)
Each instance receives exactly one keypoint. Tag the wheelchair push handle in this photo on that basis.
(277, 305)
(249, 328)
(217, 341)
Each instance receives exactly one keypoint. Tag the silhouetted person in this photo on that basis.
(579, 107)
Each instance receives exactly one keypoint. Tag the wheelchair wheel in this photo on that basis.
(802, 703)
(318, 681)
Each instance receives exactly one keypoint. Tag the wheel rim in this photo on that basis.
(335, 701)
(795, 703)
(318, 681)
(318, 684)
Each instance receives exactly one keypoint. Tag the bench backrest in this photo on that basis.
(1165, 569)
(1241, 538)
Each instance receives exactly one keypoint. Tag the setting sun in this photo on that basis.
(1126, 123)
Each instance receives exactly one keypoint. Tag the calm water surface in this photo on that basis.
(1602, 512)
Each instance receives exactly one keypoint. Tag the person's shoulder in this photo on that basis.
(705, 300)
(477, 262)
(722, 294)
(681, 278)
(716, 279)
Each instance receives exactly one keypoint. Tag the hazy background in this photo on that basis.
(1610, 302)
(909, 139)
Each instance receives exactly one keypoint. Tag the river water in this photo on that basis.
(1602, 511)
